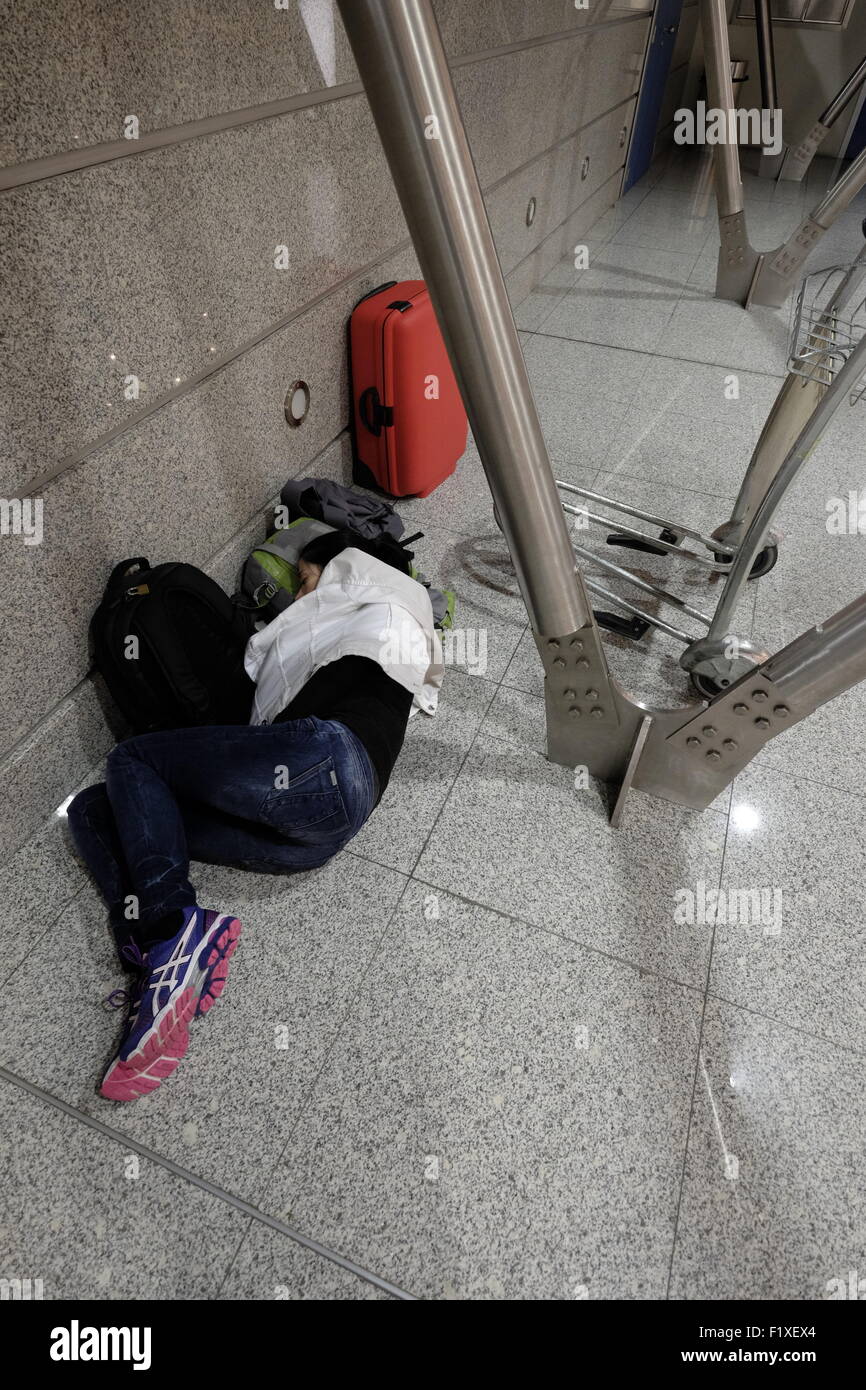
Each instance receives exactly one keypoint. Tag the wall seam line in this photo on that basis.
(57, 165)
(198, 378)
(80, 455)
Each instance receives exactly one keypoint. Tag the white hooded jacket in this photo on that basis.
(360, 607)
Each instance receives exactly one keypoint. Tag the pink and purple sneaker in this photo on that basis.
(180, 979)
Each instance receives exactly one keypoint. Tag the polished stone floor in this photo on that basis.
(480, 1054)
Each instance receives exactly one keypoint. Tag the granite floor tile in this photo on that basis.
(712, 391)
(832, 472)
(92, 1219)
(697, 453)
(307, 940)
(490, 614)
(476, 1082)
(271, 1266)
(645, 271)
(828, 746)
(773, 1203)
(518, 716)
(584, 373)
(790, 941)
(525, 671)
(503, 1116)
(705, 329)
(535, 307)
(666, 218)
(816, 574)
(579, 432)
(520, 834)
(705, 269)
(429, 761)
(613, 310)
(36, 885)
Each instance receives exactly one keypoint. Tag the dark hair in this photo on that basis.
(325, 548)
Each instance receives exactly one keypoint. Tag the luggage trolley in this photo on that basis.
(744, 274)
(828, 323)
(686, 755)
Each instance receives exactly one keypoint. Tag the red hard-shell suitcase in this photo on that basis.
(409, 423)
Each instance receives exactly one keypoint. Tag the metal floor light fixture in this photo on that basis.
(687, 755)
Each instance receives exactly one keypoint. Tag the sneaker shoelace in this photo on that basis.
(131, 997)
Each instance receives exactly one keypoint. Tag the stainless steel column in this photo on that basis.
(798, 397)
(846, 379)
(738, 260)
(840, 101)
(780, 268)
(825, 661)
(798, 159)
(720, 95)
(766, 55)
(402, 63)
(768, 164)
(843, 192)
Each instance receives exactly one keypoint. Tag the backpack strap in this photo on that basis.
(272, 550)
(167, 650)
(156, 624)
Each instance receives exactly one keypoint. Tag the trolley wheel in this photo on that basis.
(706, 686)
(764, 560)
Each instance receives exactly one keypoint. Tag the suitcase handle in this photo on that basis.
(373, 420)
(388, 285)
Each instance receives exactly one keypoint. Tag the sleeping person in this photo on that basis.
(338, 675)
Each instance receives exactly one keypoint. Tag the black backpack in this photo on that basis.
(169, 643)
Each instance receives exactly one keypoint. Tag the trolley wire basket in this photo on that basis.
(828, 321)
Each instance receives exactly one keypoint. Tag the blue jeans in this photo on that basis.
(275, 798)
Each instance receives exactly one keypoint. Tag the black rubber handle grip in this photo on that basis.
(373, 418)
(388, 285)
(633, 628)
(632, 543)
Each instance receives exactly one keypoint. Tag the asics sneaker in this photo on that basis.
(179, 979)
